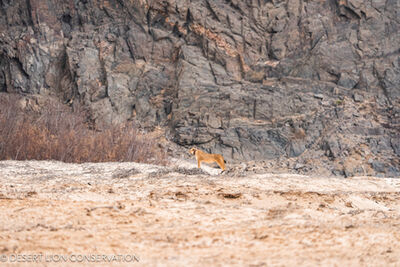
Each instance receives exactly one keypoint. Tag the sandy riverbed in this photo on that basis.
(178, 216)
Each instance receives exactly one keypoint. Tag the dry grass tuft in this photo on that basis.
(57, 133)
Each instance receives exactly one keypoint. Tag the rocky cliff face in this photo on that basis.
(317, 81)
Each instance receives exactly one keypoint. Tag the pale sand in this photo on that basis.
(175, 219)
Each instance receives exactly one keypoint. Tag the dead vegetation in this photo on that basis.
(58, 133)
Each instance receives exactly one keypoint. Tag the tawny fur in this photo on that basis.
(207, 158)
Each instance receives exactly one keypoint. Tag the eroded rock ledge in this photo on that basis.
(317, 81)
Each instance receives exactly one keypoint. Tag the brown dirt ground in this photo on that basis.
(177, 217)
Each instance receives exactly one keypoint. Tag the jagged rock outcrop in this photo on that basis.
(318, 81)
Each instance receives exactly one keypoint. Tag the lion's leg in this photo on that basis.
(221, 163)
(198, 163)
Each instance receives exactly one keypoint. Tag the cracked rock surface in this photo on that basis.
(318, 81)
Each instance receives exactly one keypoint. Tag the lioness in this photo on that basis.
(208, 158)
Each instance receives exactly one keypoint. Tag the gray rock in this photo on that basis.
(332, 147)
(235, 78)
(319, 96)
(347, 80)
(378, 166)
(395, 142)
(299, 166)
(358, 97)
(296, 148)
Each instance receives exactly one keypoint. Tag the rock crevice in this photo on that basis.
(313, 80)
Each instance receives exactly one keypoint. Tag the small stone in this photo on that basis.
(336, 91)
(358, 97)
(299, 166)
(296, 149)
(319, 96)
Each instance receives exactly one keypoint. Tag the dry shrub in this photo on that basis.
(57, 133)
